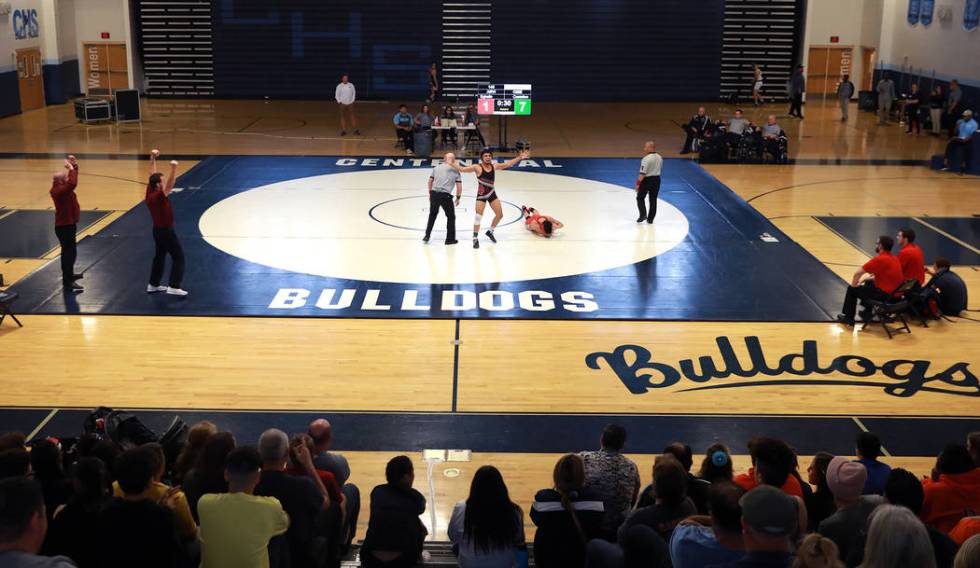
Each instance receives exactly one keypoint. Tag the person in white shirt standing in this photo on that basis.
(345, 95)
(648, 182)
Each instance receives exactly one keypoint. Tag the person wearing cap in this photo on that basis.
(846, 480)
(770, 518)
(966, 127)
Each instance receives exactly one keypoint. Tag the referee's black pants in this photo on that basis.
(69, 251)
(649, 189)
(167, 243)
(439, 199)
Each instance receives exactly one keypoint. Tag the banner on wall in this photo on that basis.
(971, 14)
(914, 7)
(925, 13)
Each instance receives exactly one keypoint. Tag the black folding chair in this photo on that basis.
(6, 307)
(891, 311)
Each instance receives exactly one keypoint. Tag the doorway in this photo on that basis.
(826, 64)
(868, 55)
(29, 79)
(106, 67)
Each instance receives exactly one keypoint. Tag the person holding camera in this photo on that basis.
(66, 215)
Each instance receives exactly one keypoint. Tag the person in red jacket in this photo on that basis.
(953, 492)
(910, 257)
(885, 275)
(164, 235)
(66, 214)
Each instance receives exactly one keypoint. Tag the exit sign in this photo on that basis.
(105, 35)
(834, 39)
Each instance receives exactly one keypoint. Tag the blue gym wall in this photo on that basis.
(593, 50)
(299, 48)
(61, 81)
(610, 50)
(9, 93)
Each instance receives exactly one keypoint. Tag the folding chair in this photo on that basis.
(891, 311)
(6, 302)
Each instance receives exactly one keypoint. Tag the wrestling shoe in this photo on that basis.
(176, 291)
(476, 243)
(491, 237)
(150, 288)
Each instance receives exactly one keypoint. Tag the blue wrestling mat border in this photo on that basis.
(558, 433)
(733, 265)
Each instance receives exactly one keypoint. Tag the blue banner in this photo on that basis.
(913, 16)
(971, 14)
(925, 13)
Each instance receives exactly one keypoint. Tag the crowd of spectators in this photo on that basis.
(289, 502)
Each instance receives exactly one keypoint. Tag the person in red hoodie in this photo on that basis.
(953, 492)
(876, 280)
(910, 257)
(772, 464)
(66, 214)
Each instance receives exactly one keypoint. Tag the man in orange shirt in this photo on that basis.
(880, 275)
(910, 257)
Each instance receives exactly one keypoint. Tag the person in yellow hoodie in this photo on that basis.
(158, 492)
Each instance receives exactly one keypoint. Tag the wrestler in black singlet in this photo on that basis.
(484, 184)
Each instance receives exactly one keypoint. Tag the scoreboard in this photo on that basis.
(505, 99)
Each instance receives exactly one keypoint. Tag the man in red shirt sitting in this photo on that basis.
(164, 236)
(885, 275)
(910, 257)
(66, 215)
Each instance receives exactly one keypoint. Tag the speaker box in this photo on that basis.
(127, 105)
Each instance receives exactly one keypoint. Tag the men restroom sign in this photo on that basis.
(25, 24)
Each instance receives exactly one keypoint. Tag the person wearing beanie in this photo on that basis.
(770, 519)
(846, 480)
(953, 490)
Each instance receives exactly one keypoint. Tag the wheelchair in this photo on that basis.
(776, 150)
(713, 147)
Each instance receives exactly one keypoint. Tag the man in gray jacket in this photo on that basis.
(886, 96)
(845, 90)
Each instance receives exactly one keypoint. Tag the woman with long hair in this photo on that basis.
(196, 438)
(208, 474)
(897, 539)
(717, 464)
(820, 504)
(487, 530)
(567, 517)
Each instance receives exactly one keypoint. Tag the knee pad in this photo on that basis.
(477, 218)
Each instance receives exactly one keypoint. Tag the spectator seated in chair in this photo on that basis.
(877, 279)
(949, 288)
(774, 140)
(473, 117)
(695, 128)
(395, 535)
(737, 127)
(404, 128)
(448, 118)
(958, 148)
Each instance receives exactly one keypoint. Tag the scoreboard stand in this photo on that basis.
(504, 101)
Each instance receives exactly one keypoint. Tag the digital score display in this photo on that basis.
(505, 99)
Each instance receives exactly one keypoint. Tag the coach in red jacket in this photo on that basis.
(66, 214)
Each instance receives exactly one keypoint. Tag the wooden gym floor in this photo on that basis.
(527, 370)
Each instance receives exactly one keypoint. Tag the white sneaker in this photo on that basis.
(176, 291)
(150, 288)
